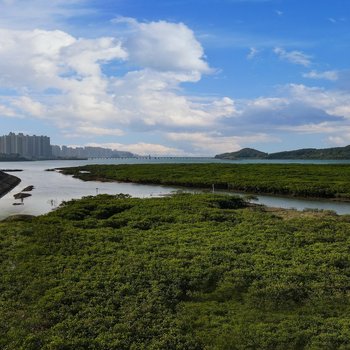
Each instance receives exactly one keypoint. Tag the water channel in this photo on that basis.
(51, 188)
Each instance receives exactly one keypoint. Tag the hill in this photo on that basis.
(243, 154)
(336, 153)
(313, 153)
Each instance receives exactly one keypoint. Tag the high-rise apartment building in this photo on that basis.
(26, 145)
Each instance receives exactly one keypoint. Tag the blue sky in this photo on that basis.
(177, 77)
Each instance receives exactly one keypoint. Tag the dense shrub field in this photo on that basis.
(300, 180)
(181, 272)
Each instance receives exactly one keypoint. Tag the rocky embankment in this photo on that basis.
(7, 183)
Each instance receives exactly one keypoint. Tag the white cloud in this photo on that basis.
(41, 59)
(61, 78)
(93, 130)
(24, 14)
(252, 53)
(151, 99)
(331, 75)
(7, 112)
(269, 103)
(211, 143)
(30, 107)
(320, 128)
(86, 55)
(339, 140)
(296, 57)
(165, 46)
(91, 87)
(334, 102)
(336, 20)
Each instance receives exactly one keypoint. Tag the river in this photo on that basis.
(51, 188)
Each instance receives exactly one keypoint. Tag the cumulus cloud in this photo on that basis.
(165, 46)
(30, 107)
(296, 57)
(297, 110)
(61, 78)
(333, 102)
(274, 112)
(39, 59)
(301, 110)
(150, 100)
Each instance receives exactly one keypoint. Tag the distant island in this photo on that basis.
(336, 153)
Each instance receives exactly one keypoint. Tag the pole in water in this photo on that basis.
(96, 190)
(213, 186)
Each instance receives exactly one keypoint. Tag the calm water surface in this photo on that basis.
(51, 188)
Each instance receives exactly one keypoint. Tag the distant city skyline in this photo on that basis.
(177, 77)
(39, 147)
(88, 152)
(29, 146)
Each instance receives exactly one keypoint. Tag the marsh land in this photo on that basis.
(182, 272)
(185, 271)
(297, 180)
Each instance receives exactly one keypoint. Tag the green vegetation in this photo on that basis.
(244, 153)
(300, 180)
(182, 272)
(304, 153)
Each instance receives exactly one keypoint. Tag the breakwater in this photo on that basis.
(7, 183)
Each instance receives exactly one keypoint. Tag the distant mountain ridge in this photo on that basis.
(336, 153)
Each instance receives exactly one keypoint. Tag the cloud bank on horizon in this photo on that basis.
(146, 86)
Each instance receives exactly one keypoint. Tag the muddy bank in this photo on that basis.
(7, 183)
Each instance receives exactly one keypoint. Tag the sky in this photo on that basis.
(177, 77)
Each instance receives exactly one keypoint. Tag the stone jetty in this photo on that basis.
(7, 183)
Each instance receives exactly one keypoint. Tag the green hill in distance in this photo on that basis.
(335, 153)
(244, 153)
